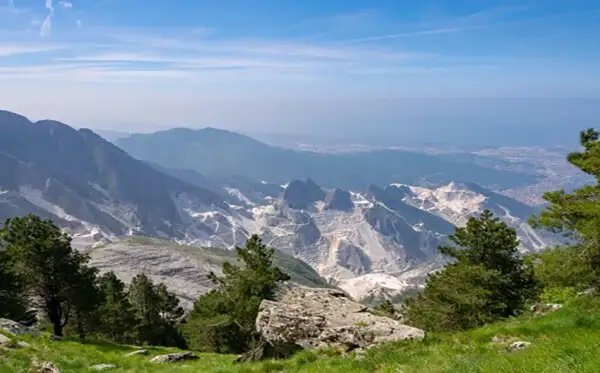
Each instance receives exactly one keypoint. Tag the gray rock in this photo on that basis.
(542, 309)
(138, 352)
(43, 367)
(518, 346)
(497, 339)
(173, 358)
(15, 328)
(22, 344)
(586, 292)
(4, 339)
(55, 337)
(315, 318)
(103, 367)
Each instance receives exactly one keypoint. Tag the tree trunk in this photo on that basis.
(58, 328)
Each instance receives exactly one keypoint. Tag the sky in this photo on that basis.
(379, 68)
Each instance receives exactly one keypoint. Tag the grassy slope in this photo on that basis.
(565, 341)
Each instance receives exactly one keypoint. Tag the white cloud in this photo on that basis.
(46, 28)
(65, 4)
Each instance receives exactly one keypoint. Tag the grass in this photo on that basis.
(565, 341)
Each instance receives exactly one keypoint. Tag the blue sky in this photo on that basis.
(299, 66)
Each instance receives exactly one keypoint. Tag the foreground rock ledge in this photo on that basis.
(316, 318)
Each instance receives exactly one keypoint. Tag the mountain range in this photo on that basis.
(221, 154)
(376, 240)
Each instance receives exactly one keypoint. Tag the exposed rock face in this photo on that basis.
(313, 318)
(173, 358)
(15, 328)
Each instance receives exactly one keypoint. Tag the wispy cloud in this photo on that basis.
(408, 34)
(477, 20)
(46, 28)
(12, 50)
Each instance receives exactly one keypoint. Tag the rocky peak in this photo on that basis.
(299, 194)
(339, 200)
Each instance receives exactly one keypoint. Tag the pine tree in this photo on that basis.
(43, 257)
(86, 299)
(157, 312)
(13, 300)
(488, 279)
(489, 242)
(118, 321)
(577, 214)
(224, 318)
(144, 300)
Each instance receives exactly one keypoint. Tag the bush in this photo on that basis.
(223, 319)
(487, 281)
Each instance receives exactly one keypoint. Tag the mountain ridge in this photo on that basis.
(352, 237)
(202, 150)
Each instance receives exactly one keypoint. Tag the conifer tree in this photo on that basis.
(42, 256)
(577, 214)
(118, 321)
(486, 281)
(223, 320)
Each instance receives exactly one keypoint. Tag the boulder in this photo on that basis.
(43, 367)
(315, 318)
(16, 328)
(4, 340)
(23, 344)
(138, 352)
(173, 358)
(541, 309)
(518, 346)
(103, 367)
(588, 291)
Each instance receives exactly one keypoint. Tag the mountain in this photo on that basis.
(111, 135)
(183, 268)
(222, 154)
(89, 185)
(379, 242)
(373, 241)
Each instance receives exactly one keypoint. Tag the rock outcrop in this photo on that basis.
(4, 340)
(518, 346)
(43, 367)
(15, 328)
(314, 318)
(173, 358)
(137, 353)
(103, 367)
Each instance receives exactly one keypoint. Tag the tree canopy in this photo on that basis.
(486, 281)
(223, 319)
(577, 214)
